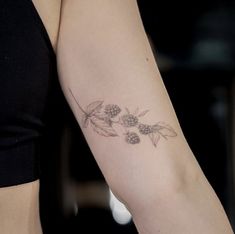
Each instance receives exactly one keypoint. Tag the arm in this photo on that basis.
(112, 84)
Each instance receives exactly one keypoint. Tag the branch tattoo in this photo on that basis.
(102, 118)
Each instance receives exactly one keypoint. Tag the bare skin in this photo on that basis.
(23, 199)
(19, 212)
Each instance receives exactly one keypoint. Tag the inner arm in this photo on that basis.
(112, 83)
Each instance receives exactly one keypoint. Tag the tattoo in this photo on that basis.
(102, 117)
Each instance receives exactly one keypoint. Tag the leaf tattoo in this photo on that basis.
(94, 107)
(91, 110)
(154, 138)
(165, 130)
(102, 127)
(143, 113)
(102, 117)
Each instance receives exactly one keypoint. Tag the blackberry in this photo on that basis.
(112, 110)
(144, 129)
(129, 120)
(132, 138)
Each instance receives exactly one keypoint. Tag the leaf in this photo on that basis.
(143, 113)
(136, 111)
(100, 115)
(154, 137)
(164, 129)
(156, 127)
(85, 121)
(94, 107)
(102, 127)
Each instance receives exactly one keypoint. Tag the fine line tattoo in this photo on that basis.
(102, 118)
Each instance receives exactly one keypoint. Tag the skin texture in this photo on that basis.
(104, 54)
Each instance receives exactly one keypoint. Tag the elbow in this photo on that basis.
(157, 185)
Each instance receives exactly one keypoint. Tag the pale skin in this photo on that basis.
(104, 55)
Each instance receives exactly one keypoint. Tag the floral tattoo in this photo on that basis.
(102, 118)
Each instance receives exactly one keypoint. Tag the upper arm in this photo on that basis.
(106, 65)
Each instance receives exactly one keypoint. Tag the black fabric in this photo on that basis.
(28, 75)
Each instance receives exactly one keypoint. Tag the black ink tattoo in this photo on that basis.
(102, 117)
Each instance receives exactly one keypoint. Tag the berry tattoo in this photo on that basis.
(112, 110)
(129, 120)
(101, 118)
(132, 138)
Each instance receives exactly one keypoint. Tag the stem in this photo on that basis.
(77, 102)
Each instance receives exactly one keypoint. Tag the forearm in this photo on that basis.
(104, 61)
